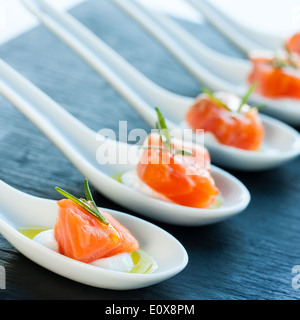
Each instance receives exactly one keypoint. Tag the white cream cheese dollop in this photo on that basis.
(120, 262)
(47, 239)
(131, 180)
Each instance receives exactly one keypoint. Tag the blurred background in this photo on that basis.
(279, 17)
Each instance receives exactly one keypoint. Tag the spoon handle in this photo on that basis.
(144, 86)
(75, 140)
(230, 68)
(200, 73)
(229, 30)
(87, 44)
(56, 123)
(98, 55)
(242, 37)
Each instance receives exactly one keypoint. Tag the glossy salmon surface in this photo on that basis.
(83, 237)
(293, 43)
(183, 179)
(242, 130)
(276, 78)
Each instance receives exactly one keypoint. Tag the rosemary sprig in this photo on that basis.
(163, 130)
(88, 194)
(243, 100)
(88, 204)
(165, 137)
(246, 96)
(215, 100)
(183, 152)
(280, 63)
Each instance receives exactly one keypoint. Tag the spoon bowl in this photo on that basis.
(19, 210)
(281, 144)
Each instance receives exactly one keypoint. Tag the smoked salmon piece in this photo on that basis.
(276, 78)
(242, 130)
(293, 43)
(83, 237)
(183, 179)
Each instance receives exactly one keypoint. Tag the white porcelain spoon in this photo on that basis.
(233, 69)
(19, 210)
(287, 110)
(95, 52)
(86, 149)
(244, 38)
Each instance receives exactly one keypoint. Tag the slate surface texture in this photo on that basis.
(250, 256)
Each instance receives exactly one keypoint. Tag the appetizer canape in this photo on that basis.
(277, 74)
(173, 170)
(88, 234)
(228, 118)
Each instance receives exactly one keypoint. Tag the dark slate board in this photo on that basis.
(247, 257)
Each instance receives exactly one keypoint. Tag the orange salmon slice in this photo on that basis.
(242, 130)
(293, 43)
(275, 82)
(167, 174)
(83, 237)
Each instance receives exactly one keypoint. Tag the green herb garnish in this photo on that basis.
(88, 204)
(280, 63)
(246, 96)
(215, 100)
(163, 130)
(183, 152)
(165, 137)
(243, 100)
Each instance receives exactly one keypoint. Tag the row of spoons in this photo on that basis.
(79, 144)
(243, 37)
(213, 69)
(281, 142)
